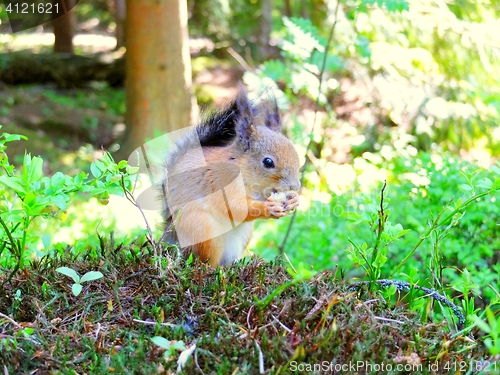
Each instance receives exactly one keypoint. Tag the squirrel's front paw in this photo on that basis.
(292, 200)
(276, 209)
(281, 204)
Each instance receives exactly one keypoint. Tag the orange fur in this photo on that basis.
(224, 188)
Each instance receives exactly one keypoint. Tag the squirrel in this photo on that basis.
(232, 168)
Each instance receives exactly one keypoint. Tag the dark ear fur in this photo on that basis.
(220, 128)
(245, 125)
(272, 115)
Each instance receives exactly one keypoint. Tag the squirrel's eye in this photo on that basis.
(268, 163)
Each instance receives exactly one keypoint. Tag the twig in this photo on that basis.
(248, 316)
(10, 320)
(389, 320)
(316, 109)
(381, 223)
(13, 246)
(239, 59)
(288, 330)
(261, 358)
(155, 323)
(406, 286)
(150, 238)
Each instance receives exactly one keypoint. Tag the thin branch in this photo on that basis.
(261, 358)
(13, 247)
(10, 320)
(239, 59)
(406, 286)
(381, 223)
(316, 109)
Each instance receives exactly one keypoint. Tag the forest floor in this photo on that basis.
(250, 318)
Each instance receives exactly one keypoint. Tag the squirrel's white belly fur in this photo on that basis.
(235, 241)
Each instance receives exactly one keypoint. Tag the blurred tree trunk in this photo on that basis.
(266, 25)
(120, 14)
(158, 70)
(288, 8)
(64, 28)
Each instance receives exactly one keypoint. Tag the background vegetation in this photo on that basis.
(394, 108)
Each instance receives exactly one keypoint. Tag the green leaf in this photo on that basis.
(380, 260)
(122, 164)
(70, 273)
(15, 183)
(132, 170)
(161, 342)
(33, 169)
(59, 201)
(403, 232)
(178, 345)
(485, 183)
(96, 168)
(76, 289)
(303, 272)
(465, 187)
(115, 178)
(91, 275)
(13, 137)
(27, 332)
(57, 180)
(15, 216)
(481, 324)
(333, 63)
(79, 179)
(112, 167)
(30, 199)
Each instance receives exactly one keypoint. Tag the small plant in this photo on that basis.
(468, 289)
(492, 327)
(30, 195)
(373, 258)
(76, 288)
(171, 347)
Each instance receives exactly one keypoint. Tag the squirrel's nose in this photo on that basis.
(295, 185)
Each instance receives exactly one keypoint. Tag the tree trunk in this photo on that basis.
(64, 29)
(120, 15)
(158, 70)
(288, 8)
(266, 24)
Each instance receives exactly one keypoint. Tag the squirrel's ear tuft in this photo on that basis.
(245, 127)
(242, 108)
(220, 128)
(272, 115)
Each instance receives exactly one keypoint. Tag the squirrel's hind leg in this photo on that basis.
(211, 250)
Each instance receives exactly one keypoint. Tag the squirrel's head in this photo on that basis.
(267, 159)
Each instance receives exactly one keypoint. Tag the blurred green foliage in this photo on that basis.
(405, 91)
(100, 97)
(30, 196)
(424, 85)
(429, 71)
